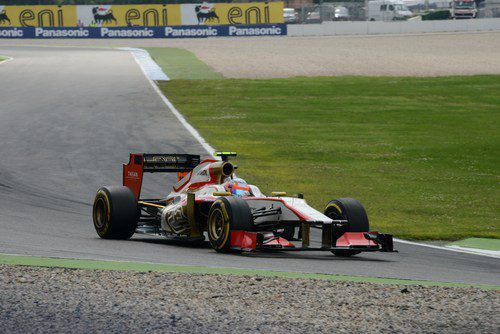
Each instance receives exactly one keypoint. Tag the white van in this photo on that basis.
(387, 10)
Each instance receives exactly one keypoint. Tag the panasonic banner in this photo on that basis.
(147, 32)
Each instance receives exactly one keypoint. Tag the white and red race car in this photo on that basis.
(236, 216)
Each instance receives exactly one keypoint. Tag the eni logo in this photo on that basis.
(43, 18)
(3, 17)
(103, 15)
(236, 15)
(150, 17)
(206, 13)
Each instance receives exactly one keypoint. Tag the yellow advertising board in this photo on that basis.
(232, 13)
(141, 15)
(38, 16)
(128, 15)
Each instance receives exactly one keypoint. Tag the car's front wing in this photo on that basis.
(349, 241)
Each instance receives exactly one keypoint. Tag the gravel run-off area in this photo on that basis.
(382, 55)
(48, 300)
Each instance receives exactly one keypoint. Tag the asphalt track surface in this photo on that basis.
(69, 117)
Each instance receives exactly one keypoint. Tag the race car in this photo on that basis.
(210, 199)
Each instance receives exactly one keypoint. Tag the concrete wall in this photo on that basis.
(403, 27)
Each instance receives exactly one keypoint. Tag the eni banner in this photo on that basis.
(142, 15)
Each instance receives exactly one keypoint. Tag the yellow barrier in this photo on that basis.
(38, 16)
(141, 15)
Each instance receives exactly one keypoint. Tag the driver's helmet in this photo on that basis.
(237, 187)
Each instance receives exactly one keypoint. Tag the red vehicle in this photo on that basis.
(236, 216)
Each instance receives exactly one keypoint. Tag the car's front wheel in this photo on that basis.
(353, 211)
(227, 214)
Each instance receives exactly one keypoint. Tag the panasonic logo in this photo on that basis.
(267, 31)
(41, 32)
(190, 32)
(11, 33)
(106, 32)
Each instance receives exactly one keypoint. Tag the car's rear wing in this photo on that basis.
(139, 163)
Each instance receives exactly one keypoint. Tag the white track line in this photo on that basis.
(170, 106)
(6, 60)
(147, 64)
(211, 150)
(474, 251)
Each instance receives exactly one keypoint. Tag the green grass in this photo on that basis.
(160, 267)
(479, 243)
(422, 154)
(182, 64)
(2, 58)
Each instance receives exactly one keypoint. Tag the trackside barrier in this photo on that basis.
(196, 31)
(398, 27)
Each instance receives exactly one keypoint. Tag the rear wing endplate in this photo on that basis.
(139, 163)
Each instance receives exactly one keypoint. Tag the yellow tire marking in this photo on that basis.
(226, 229)
(107, 204)
(224, 212)
(335, 206)
(226, 224)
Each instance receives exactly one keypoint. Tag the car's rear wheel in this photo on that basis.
(227, 214)
(352, 211)
(115, 213)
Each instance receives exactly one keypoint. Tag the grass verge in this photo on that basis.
(479, 243)
(422, 154)
(158, 267)
(182, 64)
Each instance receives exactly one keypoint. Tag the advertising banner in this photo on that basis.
(37, 16)
(123, 15)
(232, 13)
(142, 15)
(194, 31)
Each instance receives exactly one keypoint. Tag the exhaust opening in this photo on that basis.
(227, 169)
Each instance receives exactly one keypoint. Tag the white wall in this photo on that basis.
(398, 27)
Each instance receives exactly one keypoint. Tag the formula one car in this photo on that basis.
(208, 197)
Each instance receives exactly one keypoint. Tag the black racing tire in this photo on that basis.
(354, 212)
(227, 214)
(115, 212)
